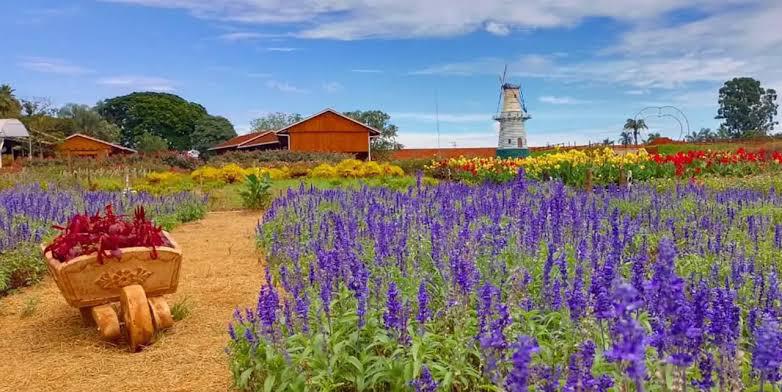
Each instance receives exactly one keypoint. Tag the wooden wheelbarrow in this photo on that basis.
(135, 281)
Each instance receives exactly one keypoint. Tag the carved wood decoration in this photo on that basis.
(84, 282)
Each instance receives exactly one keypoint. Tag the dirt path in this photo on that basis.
(50, 350)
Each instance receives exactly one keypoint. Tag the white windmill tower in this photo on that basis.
(513, 136)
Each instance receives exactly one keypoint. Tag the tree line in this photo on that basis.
(746, 109)
(151, 121)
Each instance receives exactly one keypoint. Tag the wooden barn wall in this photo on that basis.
(329, 132)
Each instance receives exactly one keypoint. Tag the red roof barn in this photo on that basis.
(327, 131)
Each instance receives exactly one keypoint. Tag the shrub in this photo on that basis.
(349, 168)
(261, 158)
(324, 170)
(206, 173)
(21, 266)
(371, 169)
(231, 173)
(255, 193)
(158, 177)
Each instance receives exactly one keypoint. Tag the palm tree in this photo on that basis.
(626, 138)
(636, 126)
(9, 105)
(608, 142)
(652, 136)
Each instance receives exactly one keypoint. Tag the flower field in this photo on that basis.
(515, 286)
(606, 167)
(27, 213)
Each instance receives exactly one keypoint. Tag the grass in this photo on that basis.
(180, 309)
(30, 306)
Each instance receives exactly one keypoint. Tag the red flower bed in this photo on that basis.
(106, 235)
(709, 161)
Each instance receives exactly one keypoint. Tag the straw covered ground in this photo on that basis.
(44, 347)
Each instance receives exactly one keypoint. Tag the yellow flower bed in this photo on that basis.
(352, 168)
(348, 168)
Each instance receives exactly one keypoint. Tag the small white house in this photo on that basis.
(11, 129)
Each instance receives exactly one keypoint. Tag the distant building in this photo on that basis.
(327, 131)
(83, 146)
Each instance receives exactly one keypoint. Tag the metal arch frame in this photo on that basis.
(661, 114)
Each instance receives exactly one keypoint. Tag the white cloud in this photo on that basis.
(333, 87)
(285, 87)
(443, 117)
(139, 83)
(53, 66)
(358, 19)
(497, 28)
(554, 100)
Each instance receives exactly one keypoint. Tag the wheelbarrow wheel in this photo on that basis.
(137, 317)
(106, 319)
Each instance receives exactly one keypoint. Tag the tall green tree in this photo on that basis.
(382, 122)
(703, 135)
(148, 143)
(274, 121)
(85, 120)
(635, 126)
(10, 107)
(626, 138)
(165, 115)
(211, 131)
(746, 108)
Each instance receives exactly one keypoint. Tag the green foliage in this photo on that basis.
(269, 158)
(381, 121)
(746, 108)
(274, 121)
(165, 115)
(85, 120)
(10, 107)
(636, 126)
(147, 142)
(20, 267)
(255, 192)
(211, 131)
(180, 309)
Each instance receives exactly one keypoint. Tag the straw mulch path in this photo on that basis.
(50, 350)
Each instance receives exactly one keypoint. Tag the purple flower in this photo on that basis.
(706, 368)
(231, 331)
(393, 315)
(425, 382)
(518, 378)
(423, 304)
(575, 297)
(628, 336)
(268, 303)
(766, 354)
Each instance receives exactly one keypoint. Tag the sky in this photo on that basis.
(584, 66)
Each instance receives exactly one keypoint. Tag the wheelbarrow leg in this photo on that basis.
(137, 317)
(108, 323)
(86, 316)
(161, 313)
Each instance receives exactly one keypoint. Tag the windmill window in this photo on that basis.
(520, 142)
(509, 141)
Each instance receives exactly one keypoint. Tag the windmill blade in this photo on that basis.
(499, 100)
(504, 74)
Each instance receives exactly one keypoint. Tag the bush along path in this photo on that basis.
(46, 347)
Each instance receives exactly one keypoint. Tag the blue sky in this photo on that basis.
(584, 66)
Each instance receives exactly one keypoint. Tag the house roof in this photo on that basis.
(112, 145)
(372, 131)
(239, 141)
(11, 127)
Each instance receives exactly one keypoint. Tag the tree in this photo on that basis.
(147, 142)
(37, 114)
(9, 105)
(746, 108)
(608, 142)
(165, 115)
(274, 121)
(626, 138)
(650, 138)
(703, 135)
(380, 121)
(85, 120)
(210, 131)
(635, 126)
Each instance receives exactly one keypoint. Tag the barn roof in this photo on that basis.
(372, 131)
(239, 141)
(112, 145)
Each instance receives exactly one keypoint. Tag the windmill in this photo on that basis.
(513, 136)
